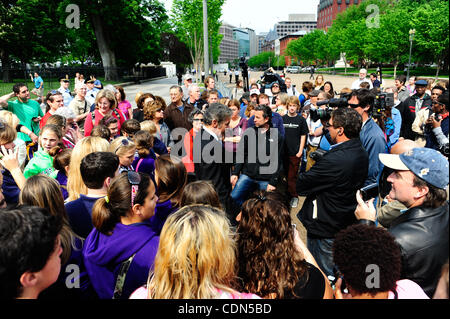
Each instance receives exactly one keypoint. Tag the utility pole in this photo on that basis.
(205, 37)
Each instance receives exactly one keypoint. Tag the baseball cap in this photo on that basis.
(426, 163)
(187, 77)
(90, 81)
(65, 79)
(421, 83)
(254, 91)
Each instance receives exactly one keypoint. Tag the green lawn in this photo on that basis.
(420, 71)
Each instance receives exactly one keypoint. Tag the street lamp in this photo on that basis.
(411, 38)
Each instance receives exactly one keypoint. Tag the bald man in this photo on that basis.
(391, 210)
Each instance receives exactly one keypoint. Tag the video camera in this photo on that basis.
(382, 100)
(270, 77)
(325, 114)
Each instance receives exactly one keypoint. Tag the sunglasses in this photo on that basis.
(134, 179)
(196, 120)
(2, 125)
(353, 106)
(125, 142)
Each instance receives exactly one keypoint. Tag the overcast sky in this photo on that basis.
(260, 15)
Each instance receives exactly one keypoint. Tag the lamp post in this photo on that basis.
(411, 38)
(205, 37)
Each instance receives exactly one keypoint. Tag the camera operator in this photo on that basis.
(372, 137)
(438, 125)
(269, 77)
(330, 186)
(419, 125)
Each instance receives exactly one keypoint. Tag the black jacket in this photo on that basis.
(213, 163)
(332, 182)
(258, 155)
(422, 233)
(408, 111)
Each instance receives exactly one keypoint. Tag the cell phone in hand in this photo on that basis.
(369, 191)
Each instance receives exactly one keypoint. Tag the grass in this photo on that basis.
(420, 71)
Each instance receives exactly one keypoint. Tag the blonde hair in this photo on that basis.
(109, 95)
(7, 134)
(196, 255)
(283, 98)
(149, 126)
(44, 191)
(85, 146)
(118, 147)
(10, 118)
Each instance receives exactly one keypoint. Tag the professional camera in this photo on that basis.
(444, 149)
(317, 154)
(270, 77)
(382, 100)
(325, 114)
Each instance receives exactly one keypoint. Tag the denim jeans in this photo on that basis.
(322, 251)
(244, 187)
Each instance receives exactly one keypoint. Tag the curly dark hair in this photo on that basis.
(357, 247)
(268, 260)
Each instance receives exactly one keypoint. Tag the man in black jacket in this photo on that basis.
(410, 107)
(211, 161)
(258, 157)
(330, 186)
(419, 181)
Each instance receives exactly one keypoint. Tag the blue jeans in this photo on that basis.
(245, 186)
(322, 251)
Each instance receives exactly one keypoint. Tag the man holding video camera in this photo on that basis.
(330, 186)
(372, 137)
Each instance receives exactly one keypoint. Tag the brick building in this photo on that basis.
(328, 9)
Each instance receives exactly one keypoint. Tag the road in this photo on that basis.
(157, 87)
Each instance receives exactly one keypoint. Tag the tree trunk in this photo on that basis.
(6, 66)
(438, 67)
(106, 53)
(395, 70)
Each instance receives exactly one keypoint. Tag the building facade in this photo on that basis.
(229, 46)
(295, 23)
(327, 11)
(284, 41)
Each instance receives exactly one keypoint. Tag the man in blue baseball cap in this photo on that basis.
(419, 181)
(411, 106)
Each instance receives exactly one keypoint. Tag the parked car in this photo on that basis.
(293, 69)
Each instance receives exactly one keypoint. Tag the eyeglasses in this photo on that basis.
(327, 125)
(353, 106)
(275, 86)
(198, 120)
(437, 103)
(134, 179)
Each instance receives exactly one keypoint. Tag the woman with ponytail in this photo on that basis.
(145, 161)
(50, 142)
(119, 251)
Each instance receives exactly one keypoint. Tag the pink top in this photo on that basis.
(88, 125)
(124, 106)
(142, 293)
(408, 289)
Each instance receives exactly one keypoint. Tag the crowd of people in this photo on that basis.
(193, 198)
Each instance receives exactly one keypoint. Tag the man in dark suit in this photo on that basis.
(211, 161)
(330, 186)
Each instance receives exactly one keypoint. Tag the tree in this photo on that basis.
(430, 21)
(187, 21)
(264, 59)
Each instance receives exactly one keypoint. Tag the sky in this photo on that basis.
(260, 15)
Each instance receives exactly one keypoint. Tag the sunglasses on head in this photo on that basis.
(134, 179)
(125, 142)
